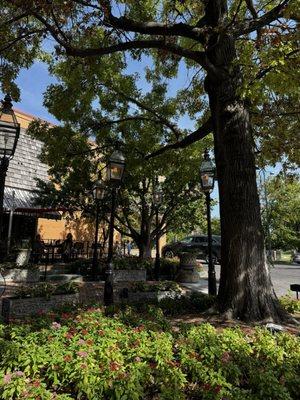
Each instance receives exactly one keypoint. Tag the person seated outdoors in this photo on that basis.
(38, 247)
(67, 248)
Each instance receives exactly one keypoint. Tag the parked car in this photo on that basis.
(194, 243)
(296, 258)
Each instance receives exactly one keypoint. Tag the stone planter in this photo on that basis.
(137, 297)
(23, 257)
(188, 269)
(21, 275)
(19, 308)
(127, 275)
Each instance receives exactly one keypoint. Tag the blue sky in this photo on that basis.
(33, 83)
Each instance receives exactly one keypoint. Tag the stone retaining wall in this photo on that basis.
(125, 275)
(21, 275)
(20, 308)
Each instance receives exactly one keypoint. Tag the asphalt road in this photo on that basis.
(282, 277)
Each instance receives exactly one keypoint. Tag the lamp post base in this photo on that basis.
(212, 282)
(108, 286)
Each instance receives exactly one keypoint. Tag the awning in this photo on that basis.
(23, 203)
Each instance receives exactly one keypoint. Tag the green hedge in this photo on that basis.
(45, 289)
(88, 356)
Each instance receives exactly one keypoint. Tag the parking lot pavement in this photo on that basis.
(282, 277)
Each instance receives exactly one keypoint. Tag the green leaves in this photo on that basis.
(281, 216)
(138, 356)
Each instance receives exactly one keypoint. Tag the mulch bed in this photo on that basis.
(220, 323)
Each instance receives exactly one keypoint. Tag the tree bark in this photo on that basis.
(245, 291)
(144, 248)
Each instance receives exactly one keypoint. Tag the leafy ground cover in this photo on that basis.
(136, 354)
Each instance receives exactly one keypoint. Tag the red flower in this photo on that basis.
(67, 358)
(174, 363)
(226, 357)
(84, 332)
(152, 364)
(122, 375)
(101, 332)
(217, 389)
(114, 366)
(206, 386)
(89, 342)
(69, 335)
(36, 383)
(139, 328)
(136, 343)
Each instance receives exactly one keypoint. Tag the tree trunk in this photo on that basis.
(246, 290)
(145, 248)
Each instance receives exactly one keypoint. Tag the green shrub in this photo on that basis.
(80, 266)
(129, 263)
(195, 303)
(290, 304)
(45, 289)
(88, 356)
(160, 286)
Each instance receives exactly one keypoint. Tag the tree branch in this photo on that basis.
(265, 71)
(16, 18)
(125, 119)
(152, 27)
(195, 136)
(266, 19)
(143, 106)
(19, 38)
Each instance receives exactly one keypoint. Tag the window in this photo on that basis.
(188, 239)
(200, 239)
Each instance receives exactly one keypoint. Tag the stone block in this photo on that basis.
(129, 275)
(21, 308)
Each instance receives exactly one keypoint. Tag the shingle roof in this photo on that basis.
(25, 166)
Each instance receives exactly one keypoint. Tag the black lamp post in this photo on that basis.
(9, 135)
(207, 174)
(98, 195)
(115, 169)
(157, 200)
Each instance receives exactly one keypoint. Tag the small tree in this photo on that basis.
(281, 213)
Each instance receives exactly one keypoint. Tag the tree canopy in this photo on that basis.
(169, 37)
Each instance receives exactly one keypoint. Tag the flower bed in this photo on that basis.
(142, 291)
(29, 300)
(89, 356)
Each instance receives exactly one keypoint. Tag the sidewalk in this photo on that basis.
(282, 275)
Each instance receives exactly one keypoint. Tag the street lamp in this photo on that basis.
(207, 175)
(115, 170)
(98, 195)
(157, 200)
(9, 135)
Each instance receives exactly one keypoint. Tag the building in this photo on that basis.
(20, 206)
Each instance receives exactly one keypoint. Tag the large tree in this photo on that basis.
(221, 39)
